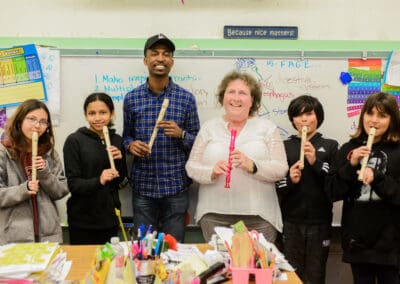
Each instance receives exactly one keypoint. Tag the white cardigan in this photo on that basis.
(250, 194)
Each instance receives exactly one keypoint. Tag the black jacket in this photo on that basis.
(91, 204)
(370, 215)
(307, 202)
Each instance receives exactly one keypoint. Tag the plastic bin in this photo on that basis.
(242, 275)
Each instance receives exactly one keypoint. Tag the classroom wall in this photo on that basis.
(195, 19)
(316, 19)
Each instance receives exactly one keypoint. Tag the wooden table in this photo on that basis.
(81, 256)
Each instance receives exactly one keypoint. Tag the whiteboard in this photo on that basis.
(281, 80)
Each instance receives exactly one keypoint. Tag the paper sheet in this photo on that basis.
(392, 73)
(22, 259)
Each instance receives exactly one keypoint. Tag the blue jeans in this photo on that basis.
(165, 214)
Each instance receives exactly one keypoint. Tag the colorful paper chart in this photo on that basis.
(369, 64)
(367, 75)
(394, 90)
(21, 75)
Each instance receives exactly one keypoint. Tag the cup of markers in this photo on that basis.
(146, 252)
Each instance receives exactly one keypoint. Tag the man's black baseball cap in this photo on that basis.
(158, 38)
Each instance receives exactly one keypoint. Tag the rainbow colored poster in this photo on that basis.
(393, 90)
(366, 76)
(21, 75)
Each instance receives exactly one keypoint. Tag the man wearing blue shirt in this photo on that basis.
(158, 176)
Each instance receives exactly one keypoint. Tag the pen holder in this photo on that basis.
(144, 270)
(241, 275)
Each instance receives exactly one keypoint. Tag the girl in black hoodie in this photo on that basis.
(93, 183)
(370, 216)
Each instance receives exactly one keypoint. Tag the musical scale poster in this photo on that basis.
(366, 80)
(366, 75)
(21, 75)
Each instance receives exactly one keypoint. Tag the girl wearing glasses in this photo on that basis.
(27, 207)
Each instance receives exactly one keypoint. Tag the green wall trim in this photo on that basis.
(214, 47)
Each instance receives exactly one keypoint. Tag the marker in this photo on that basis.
(149, 238)
(157, 250)
(142, 229)
(149, 230)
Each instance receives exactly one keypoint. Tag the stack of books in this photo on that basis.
(32, 262)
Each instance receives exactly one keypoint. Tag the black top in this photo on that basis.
(306, 202)
(370, 216)
(91, 204)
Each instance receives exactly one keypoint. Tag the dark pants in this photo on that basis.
(306, 247)
(253, 222)
(367, 273)
(83, 236)
(167, 214)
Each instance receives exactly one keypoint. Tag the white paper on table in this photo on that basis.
(66, 268)
(282, 277)
(19, 260)
(225, 234)
(184, 252)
